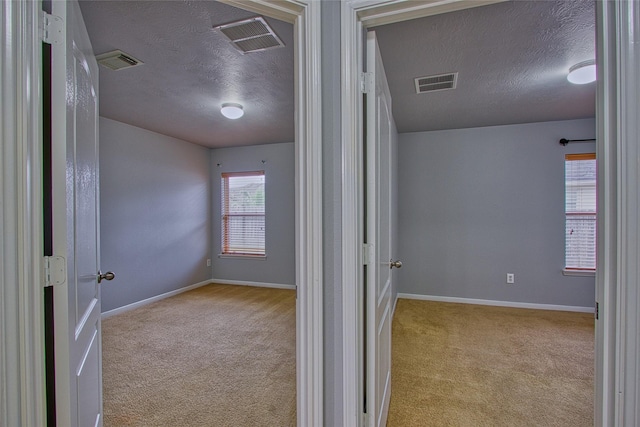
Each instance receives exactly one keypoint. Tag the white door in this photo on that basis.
(378, 289)
(77, 333)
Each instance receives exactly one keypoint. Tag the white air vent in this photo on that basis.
(435, 83)
(251, 35)
(117, 60)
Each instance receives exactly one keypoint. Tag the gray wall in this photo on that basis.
(475, 204)
(279, 266)
(155, 213)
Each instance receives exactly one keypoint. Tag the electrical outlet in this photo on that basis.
(209, 263)
(510, 278)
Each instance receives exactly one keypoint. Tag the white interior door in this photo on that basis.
(78, 364)
(378, 290)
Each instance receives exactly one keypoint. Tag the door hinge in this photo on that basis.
(55, 270)
(368, 254)
(366, 82)
(597, 310)
(51, 29)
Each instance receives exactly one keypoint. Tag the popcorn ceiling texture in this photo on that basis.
(190, 70)
(512, 59)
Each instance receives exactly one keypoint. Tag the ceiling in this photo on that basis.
(190, 70)
(511, 58)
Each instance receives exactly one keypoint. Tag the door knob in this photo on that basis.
(396, 264)
(109, 275)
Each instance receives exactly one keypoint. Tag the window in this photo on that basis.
(580, 212)
(243, 215)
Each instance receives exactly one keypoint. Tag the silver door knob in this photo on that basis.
(109, 275)
(396, 264)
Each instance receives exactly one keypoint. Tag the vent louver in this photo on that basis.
(436, 83)
(117, 60)
(251, 35)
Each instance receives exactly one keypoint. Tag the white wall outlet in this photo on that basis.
(209, 263)
(510, 278)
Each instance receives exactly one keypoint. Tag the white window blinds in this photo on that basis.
(243, 214)
(580, 211)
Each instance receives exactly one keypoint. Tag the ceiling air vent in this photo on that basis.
(117, 60)
(435, 83)
(251, 35)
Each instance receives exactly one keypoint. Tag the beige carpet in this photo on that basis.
(218, 355)
(470, 365)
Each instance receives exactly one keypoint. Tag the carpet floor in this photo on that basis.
(218, 355)
(471, 365)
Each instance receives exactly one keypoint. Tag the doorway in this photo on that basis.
(307, 220)
(358, 18)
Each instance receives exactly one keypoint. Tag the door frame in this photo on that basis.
(618, 251)
(618, 223)
(22, 371)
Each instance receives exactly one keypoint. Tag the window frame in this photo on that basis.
(225, 215)
(573, 270)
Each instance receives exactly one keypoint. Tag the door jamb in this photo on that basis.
(22, 369)
(606, 226)
(617, 276)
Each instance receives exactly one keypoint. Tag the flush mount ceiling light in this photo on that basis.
(583, 72)
(231, 110)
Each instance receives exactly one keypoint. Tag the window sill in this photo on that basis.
(243, 256)
(580, 273)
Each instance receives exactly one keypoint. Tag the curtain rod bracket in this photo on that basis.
(565, 141)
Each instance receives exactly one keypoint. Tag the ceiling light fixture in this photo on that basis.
(231, 110)
(583, 72)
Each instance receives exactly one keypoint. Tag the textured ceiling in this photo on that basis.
(190, 70)
(512, 59)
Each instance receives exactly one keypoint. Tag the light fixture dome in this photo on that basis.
(583, 72)
(232, 110)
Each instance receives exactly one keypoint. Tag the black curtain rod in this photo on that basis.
(566, 141)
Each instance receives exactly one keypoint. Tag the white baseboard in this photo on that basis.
(257, 284)
(138, 304)
(499, 303)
